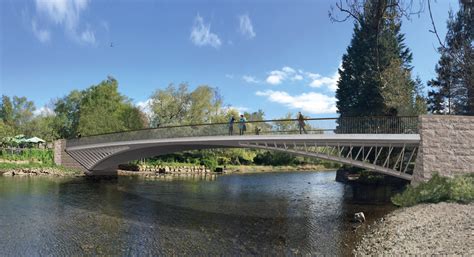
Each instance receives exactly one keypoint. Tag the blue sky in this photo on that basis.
(278, 56)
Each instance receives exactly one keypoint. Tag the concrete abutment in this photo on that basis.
(446, 146)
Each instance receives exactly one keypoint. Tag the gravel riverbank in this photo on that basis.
(444, 228)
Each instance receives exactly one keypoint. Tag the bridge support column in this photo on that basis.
(61, 157)
(446, 146)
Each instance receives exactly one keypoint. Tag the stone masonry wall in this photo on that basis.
(64, 159)
(446, 147)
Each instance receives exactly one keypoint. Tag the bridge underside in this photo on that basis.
(389, 154)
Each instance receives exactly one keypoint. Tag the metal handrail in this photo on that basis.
(341, 125)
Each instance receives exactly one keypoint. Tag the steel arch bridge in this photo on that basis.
(389, 145)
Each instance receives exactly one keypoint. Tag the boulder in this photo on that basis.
(359, 217)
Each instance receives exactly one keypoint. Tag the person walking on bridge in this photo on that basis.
(242, 125)
(231, 125)
(301, 123)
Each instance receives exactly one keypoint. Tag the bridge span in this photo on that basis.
(387, 145)
(390, 154)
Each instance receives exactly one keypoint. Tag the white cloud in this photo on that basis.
(330, 82)
(250, 79)
(43, 35)
(288, 70)
(239, 109)
(246, 27)
(229, 76)
(311, 102)
(88, 36)
(312, 75)
(65, 13)
(145, 106)
(201, 34)
(44, 111)
(297, 77)
(276, 77)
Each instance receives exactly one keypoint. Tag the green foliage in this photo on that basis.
(274, 159)
(95, 110)
(6, 110)
(6, 130)
(462, 189)
(31, 155)
(437, 189)
(375, 77)
(13, 166)
(16, 116)
(22, 111)
(210, 163)
(103, 109)
(177, 105)
(67, 111)
(452, 91)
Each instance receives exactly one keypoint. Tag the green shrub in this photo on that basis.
(30, 155)
(438, 189)
(210, 163)
(462, 189)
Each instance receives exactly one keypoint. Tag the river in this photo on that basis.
(280, 213)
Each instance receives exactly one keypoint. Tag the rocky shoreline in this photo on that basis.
(425, 229)
(43, 171)
(152, 171)
(202, 169)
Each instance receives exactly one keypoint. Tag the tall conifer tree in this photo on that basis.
(452, 91)
(375, 77)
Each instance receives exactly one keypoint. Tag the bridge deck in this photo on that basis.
(331, 139)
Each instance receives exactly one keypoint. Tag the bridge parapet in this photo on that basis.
(341, 125)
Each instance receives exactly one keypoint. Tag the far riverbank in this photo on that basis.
(177, 169)
(29, 168)
(424, 229)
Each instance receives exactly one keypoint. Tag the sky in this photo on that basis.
(278, 56)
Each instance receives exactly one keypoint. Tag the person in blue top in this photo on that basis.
(231, 125)
(242, 126)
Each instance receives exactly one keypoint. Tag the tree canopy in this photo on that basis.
(178, 105)
(375, 77)
(452, 91)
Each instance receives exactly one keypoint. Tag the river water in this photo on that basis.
(280, 213)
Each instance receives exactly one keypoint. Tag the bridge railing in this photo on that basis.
(341, 125)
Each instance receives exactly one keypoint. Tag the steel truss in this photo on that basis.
(396, 160)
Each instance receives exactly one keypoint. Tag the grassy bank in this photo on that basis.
(42, 156)
(459, 189)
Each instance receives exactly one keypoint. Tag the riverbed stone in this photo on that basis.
(425, 229)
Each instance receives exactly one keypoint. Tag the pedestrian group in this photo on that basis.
(242, 124)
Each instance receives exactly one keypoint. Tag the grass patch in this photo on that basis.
(44, 156)
(459, 189)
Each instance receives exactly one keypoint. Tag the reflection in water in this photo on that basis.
(267, 213)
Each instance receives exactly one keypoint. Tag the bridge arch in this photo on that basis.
(335, 147)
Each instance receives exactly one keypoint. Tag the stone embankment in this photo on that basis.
(425, 229)
(173, 170)
(37, 172)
